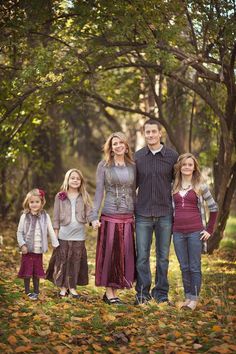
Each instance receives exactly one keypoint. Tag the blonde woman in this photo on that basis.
(68, 266)
(115, 256)
(189, 228)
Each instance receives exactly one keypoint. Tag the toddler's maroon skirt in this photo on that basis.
(31, 266)
(115, 256)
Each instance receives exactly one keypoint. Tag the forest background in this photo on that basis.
(71, 73)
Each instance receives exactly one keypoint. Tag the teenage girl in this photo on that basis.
(190, 195)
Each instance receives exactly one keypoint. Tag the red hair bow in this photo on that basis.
(41, 193)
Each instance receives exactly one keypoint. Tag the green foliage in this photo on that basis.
(73, 71)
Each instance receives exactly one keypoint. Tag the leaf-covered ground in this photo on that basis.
(54, 325)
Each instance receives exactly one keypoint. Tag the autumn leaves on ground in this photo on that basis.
(53, 325)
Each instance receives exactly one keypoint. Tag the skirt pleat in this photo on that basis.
(68, 266)
(115, 256)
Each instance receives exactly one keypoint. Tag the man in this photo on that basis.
(153, 212)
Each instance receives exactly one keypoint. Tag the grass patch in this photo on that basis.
(229, 240)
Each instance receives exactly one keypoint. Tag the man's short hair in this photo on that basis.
(152, 121)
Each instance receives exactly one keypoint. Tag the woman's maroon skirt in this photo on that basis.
(115, 257)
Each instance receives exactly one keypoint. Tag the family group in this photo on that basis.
(155, 192)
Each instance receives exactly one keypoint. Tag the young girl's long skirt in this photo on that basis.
(115, 257)
(31, 266)
(68, 265)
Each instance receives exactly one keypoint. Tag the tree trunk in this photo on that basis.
(175, 110)
(3, 192)
(225, 185)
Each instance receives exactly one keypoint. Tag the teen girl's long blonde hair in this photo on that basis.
(81, 189)
(196, 178)
(107, 148)
(34, 193)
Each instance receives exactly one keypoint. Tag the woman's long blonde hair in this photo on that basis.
(107, 148)
(81, 189)
(196, 179)
(34, 193)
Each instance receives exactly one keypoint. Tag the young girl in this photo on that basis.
(72, 208)
(189, 229)
(32, 231)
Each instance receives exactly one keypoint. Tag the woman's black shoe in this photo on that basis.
(112, 301)
(118, 301)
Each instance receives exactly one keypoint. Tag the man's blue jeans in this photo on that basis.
(188, 249)
(162, 227)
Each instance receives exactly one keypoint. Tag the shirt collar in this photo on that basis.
(162, 152)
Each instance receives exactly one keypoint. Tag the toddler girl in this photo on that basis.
(72, 209)
(34, 225)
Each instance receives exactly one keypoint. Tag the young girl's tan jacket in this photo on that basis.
(62, 211)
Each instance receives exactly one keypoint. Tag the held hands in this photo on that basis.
(96, 224)
(205, 235)
(24, 249)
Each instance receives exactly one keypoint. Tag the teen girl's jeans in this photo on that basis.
(188, 249)
(145, 226)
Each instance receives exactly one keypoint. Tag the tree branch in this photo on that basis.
(18, 129)
(194, 38)
(51, 37)
(120, 107)
(18, 102)
(232, 59)
(178, 77)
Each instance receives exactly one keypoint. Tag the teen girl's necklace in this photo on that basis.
(186, 188)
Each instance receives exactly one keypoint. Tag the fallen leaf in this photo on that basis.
(216, 328)
(197, 346)
(97, 347)
(43, 333)
(23, 349)
(161, 324)
(26, 340)
(222, 349)
(231, 318)
(232, 347)
(108, 318)
(12, 340)
(120, 337)
(3, 346)
(62, 336)
(177, 334)
(107, 339)
(73, 318)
